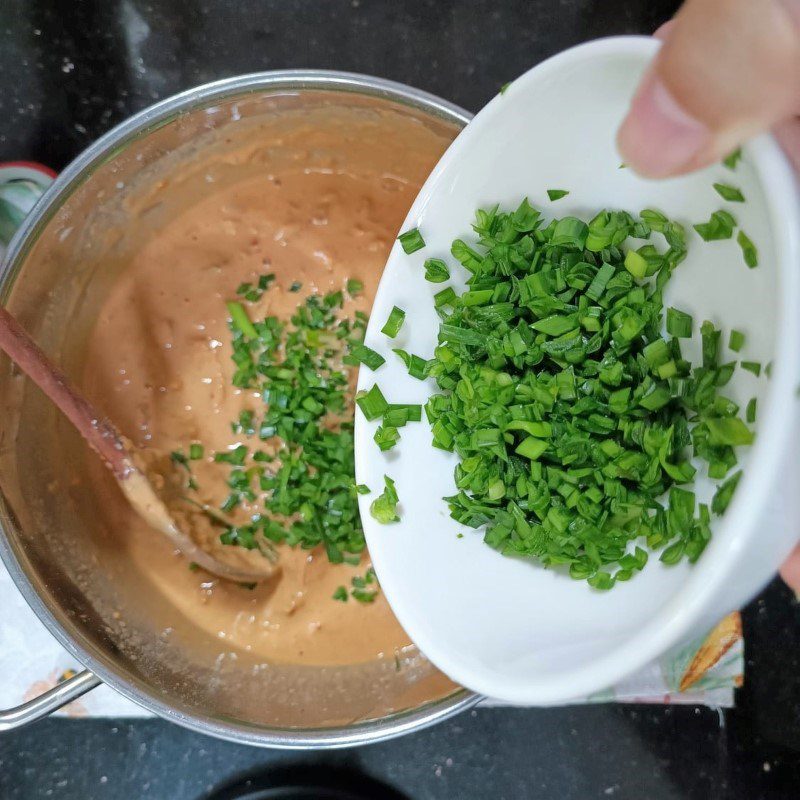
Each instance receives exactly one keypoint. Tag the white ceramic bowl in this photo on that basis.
(508, 628)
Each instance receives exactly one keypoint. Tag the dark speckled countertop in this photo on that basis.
(71, 70)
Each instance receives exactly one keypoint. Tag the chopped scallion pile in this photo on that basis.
(304, 488)
(571, 414)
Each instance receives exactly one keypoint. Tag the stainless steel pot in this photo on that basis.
(47, 544)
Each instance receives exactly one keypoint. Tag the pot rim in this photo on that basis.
(59, 191)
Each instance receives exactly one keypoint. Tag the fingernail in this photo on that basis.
(658, 138)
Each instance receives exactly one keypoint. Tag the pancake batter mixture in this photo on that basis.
(159, 364)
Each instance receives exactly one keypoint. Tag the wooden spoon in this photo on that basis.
(147, 478)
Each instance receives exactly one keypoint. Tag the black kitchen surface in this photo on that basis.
(69, 72)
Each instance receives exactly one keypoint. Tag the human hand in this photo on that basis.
(729, 69)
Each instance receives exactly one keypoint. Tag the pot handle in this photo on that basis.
(45, 704)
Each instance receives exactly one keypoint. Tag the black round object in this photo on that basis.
(307, 783)
(297, 792)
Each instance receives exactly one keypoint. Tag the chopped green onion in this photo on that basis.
(196, 451)
(396, 417)
(570, 232)
(556, 194)
(710, 337)
(235, 456)
(732, 159)
(179, 458)
(736, 340)
(306, 497)
(752, 366)
(395, 321)
(635, 264)
(749, 251)
(654, 219)
(413, 411)
(601, 580)
(366, 356)
(570, 414)
(679, 323)
(411, 241)
(725, 373)
(600, 281)
(372, 403)
(525, 218)
(254, 293)
(240, 321)
(386, 437)
(531, 448)
(340, 594)
(436, 271)
(447, 297)
(750, 411)
(417, 367)
(728, 431)
(720, 226)
(244, 424)
(466, 256)
(727, 192)
(363, 595)
(724, 495)
(384, 507)
(674, 553)
(354, 287)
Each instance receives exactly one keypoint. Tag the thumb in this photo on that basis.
(729, 69)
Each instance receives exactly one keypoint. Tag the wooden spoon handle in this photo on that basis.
(101, 435)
